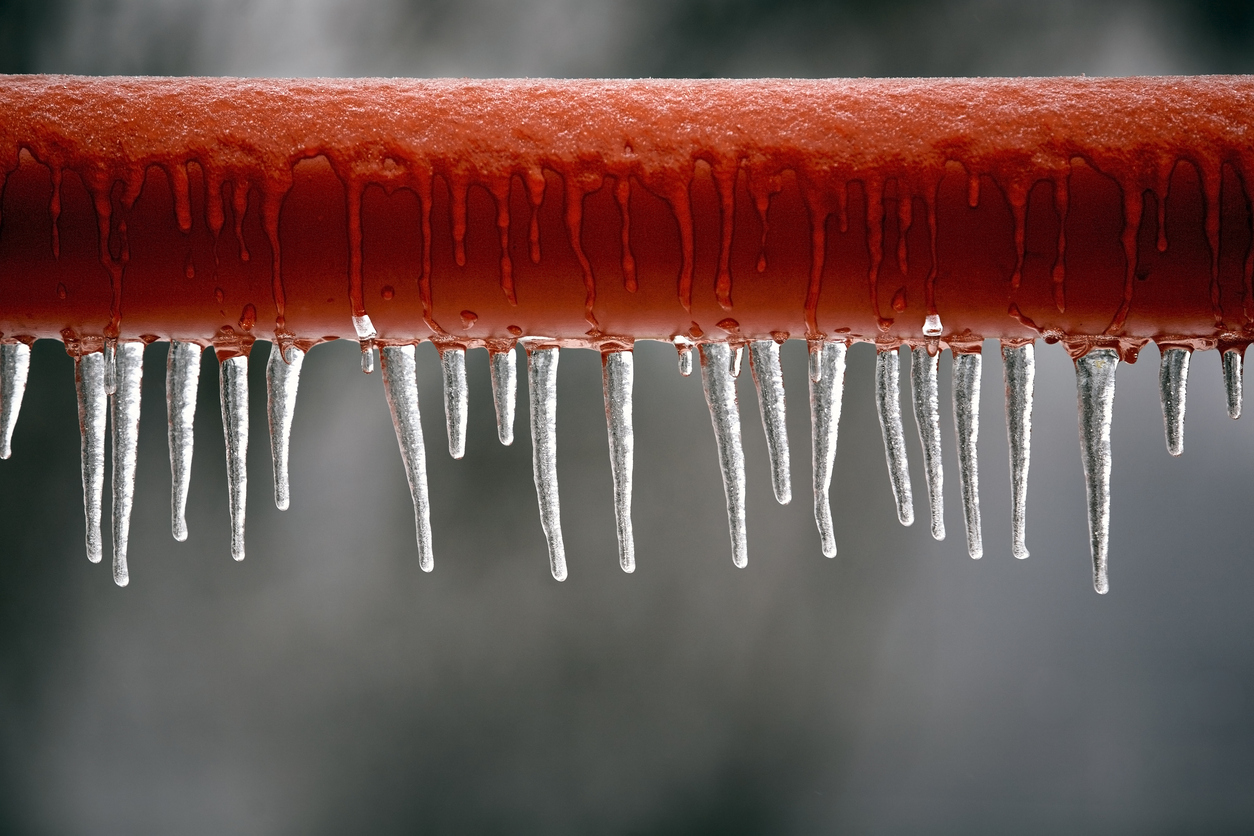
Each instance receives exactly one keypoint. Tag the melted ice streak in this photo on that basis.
(827, 388)
(542, 380)
(282, 382)
(1232, 382)
(400, 383)
(93, 406)
(182, 380)
(124, 414)
(769, 378)
(925, 392)
(685, 355)
(456, 399)
(110, 366)
(967, 371)
(14, 366)
(1095, 389)
(1173, 382)
(720, 393)
(233, 373)
(1019, 363)
(888, 403)
(617, 376)
(504, 368)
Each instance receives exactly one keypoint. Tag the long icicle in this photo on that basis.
(124, 413)
(768, 377)
(233, 375)
(93, 405)
(720, 394)
(542, 382)
(617, 376)
(967, 372)
(1019, 364)
(14, 367)
(504, 366)
(1173, 382)
(888, 404)
(182, 381)
(1232, 382)
(400, 384)
(827, 388)
(282, 383)
(1095, 389)
(456, 399)
(925, 392)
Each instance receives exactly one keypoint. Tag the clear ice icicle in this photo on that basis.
(888, 404)
(14, 367)
(1019, 363)
(400, 383)
(617, 374)
(827, 388)
(504, 367)
(1173, 382)
(93, 405)
(456, 399)
(282, 382)
(925, 392)
(967, 372)
(1232, 382)
(110, 366)
(684, 347)
(124, 413)
(769, 378)
(720, 394)
(1095, 389)
(542, 381)
(233, 374)
(182, 380)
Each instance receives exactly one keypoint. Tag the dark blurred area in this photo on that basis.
(326, 685)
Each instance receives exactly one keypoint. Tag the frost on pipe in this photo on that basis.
(1101, 214)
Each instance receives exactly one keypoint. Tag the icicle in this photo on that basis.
(967, 371)
(1095, 387)
(888, 402)
(504, 393)
(182, 380)
(110, 366)
(367, 358)
(1173, 382)
(1020, 370)
(14, 366)
(92, 411)
(542, 380)
(827, 388)
(769, 379)
(124, 414)
(617, 375)
(925, 392)
(720, 394)
(684, 347)
(738, 354)
(282, 381)
(456, 398)
(400, 383)
(233, 376)
(1232, 382)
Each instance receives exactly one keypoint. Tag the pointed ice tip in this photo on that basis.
(456, 399)
(618, 376)
(967, 373)
(768, 376)
(1095, 388)
(827, 385)
(282, 384)
(888, 403)
(1019, 368)
(14, 367)
(925, 392)
(720, 395)
(182, 382)
(504, 368)
(542, 380)
(233, 375)
(400, 385)
(1232, 382)
(1173, 380)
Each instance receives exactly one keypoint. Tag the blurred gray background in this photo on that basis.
(326, 685)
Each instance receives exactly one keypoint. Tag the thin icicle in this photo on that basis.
(233, 375)
(182, 380)
(1019, 363)
(504, 393)
(720, 394)
(14, 367)
(967, 372)
(456, 399)
(1173, 382)
(124, 414)
(827, 388)
(367, 358)
(925, 392)
(617, 375)
(282, 382)
(400, 383)
(684, 347)
(110, 366)
(768, 376)
(542, 381)
(93, 405)
(1095, 388)
(888, 403)
(1232, 382)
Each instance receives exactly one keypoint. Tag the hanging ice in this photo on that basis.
(110, 366)
(542, 381)
(617, 376)
(720, 394)
(400, 383)
(1095, 388)
(1019, 363)
(124, 414)
(366, 335)
(967, 371)
(769, 379)
(233, 374)
(925, 392)
(14, 366)
(182, 380)
(504, 368)
(888, 403)
(93, 406)
(827, 387)
(367, 358)
(282, 382)
(684, 347)
(456, 398)
(932, 325)
(1232, 381)
(1173, 381)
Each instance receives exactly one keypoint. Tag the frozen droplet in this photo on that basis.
(888, 404)
(367, 357)
(14, 367)
(684, 347)
(504, 393)
(456, 399)
(93, 405)
(233, 376)
(738, 354)
(182, 380)
(364, 328)
(967, 372)
(400, 383)
(826, 395)
(1095, 389)
(618, 376)
(1019, 364)
(814, 360)
(769, 378)
(1173, 382)
(932, 325)
(542, 381)
(124, 414)
(282, 382)
(110, 366)
(1232, 381)
(720, 394)
(925, 392)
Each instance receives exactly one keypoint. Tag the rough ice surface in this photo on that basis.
(282, 382)
(14, 367)
(888, 404)
(504, 368)
(1232, 382)
(827, 388)
(925, 392)
(542, 382)
(233, 374)
(124, 415)
(456, 399)
(768, 376)
(400, 384)
(93, 405)
(1095, 390)
(1173, 382)
(967, 371)
(617, 374)
(110, 366)
(1019, 365)
(182, 381)
(719, 382)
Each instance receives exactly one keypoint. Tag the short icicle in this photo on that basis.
(542, 381)
(1095, 388)
(967, 373)
(720, 394)
(14, 367)
(124, 414)
(182, 381)
(768, 376)
(400, 383)
(93, 405)
(233, 376)
(888, 404)
(456, 398)
(1019, 363)
(1173, 382)
(1232, 382)
(110, 366)
(504, 367)
(684, 349)
(282, 382)
(827, 389)
(618, 375)
(925, 392)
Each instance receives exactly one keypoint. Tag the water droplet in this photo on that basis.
(469, 318)
(729, 325)
(827, 389)
(515, 330)
(899, 300)
(387, 291)
(504, 369)
(248, 317)
(14, 368)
